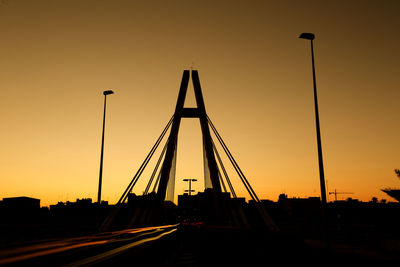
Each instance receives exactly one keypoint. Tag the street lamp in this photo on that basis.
(311, 36)
(105, 93)
(190, 185)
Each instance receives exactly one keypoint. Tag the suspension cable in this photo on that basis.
(267, 219)
(157, 182)
(234, 163)
(156, 168)
(222, 181)
(224, 171)
(144, 164)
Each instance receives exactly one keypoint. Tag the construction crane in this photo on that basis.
(337, 193)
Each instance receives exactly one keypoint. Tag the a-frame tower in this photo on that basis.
(149, 208)
(182, 112)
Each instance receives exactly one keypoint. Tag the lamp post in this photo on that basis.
(311, 36)
(105, 93)
(190, 185)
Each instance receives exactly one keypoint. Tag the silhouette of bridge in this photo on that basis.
(218, 186)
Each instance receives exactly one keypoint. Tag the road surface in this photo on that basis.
(186, 245)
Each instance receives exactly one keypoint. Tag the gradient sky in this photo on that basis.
(56, 58)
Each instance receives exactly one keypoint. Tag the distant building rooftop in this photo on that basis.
(21, 203)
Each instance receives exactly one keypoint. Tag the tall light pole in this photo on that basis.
(105, 93)
(311, 36)
(190, 185)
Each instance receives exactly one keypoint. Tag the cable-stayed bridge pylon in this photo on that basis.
(162, 179)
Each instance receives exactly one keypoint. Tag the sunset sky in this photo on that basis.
(57, 57)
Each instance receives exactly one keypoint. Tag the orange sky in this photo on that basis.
(56, 58)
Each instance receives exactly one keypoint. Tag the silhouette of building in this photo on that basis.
(21, 203)
(84, 206)
(299, 205)
(20, 210)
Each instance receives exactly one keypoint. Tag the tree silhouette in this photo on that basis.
(397, 171)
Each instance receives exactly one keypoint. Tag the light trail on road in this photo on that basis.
(117, 251)
(47, 247)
